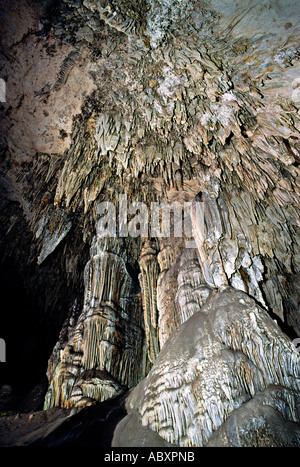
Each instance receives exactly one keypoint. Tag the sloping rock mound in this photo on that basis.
(264, 421)
(216, 365)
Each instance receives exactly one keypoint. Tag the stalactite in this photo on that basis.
(208, 229)
(192, 290)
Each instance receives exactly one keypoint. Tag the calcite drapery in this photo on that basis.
(156, 99)
(181, 291)
(104, 350)
(148, 280)
(226, 253)
(208, 229)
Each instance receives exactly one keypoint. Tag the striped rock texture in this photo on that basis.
(188, 106)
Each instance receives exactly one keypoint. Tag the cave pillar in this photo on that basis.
(148, 281)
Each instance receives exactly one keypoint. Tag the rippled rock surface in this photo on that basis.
(240, 371)
(102, 351)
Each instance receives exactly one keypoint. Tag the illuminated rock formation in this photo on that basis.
(230, 350)
(104, 349)
(190, 105)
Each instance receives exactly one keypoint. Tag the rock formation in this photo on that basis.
(102, 350)
(149, 231)
(230, 351)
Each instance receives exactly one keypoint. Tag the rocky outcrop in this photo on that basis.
(260, 422)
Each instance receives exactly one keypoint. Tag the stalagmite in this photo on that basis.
(104, 350)
(231, 351)
(148, 280)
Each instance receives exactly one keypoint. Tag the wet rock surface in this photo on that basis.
(260, 423)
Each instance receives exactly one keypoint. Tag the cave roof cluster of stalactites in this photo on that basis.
(162, 101)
